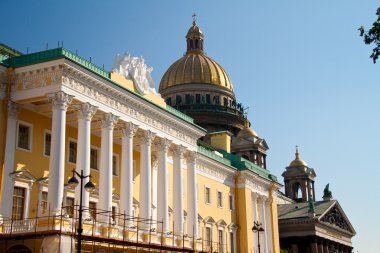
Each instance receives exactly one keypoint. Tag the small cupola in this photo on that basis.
(194, 38)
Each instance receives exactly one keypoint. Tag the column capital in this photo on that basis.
(60, 100)
(178, 151)
(129, 129)
(147, 137)
(261, 199)
(86, 111)
(13, 109)
(163, 144)
(109, 120)
(192, 157)
(255, 196)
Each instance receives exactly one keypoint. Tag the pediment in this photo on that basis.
(23, 175)
(336, 217)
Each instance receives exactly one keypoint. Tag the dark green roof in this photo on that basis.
(234, 161)
(301, 210)
(60, 53)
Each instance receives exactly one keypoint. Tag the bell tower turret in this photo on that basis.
(299, 180)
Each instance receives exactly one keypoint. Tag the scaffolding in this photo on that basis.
(103, 231)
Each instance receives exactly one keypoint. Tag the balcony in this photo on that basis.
(209, 108)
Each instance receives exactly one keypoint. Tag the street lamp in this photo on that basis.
(257, 228)
(89, 187)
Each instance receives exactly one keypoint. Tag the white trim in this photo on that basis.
(46, 131)
(27, 124)
(221, 228)
(69, 139)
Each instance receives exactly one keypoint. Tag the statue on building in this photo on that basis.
(135, 69)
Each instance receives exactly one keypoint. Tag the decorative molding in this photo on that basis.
(129, 129)
(38, 78)
(147, 137)
(215, 171)
(253, 182)
(60, 100)
(163, 144)
(109, 120)
(13, 110)
(86, 111)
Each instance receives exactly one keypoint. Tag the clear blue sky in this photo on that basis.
(300, 66)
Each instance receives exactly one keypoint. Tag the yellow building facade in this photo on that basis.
(156, 186)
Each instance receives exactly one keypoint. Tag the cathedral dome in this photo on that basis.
(195, 67)
(247, 133)
(298, 161)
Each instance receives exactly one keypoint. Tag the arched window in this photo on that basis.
(191, 44)
(18, 249)
(196, 44)
(297, 191)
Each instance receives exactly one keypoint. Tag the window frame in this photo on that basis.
(231, 200)
(69, 140)
(209, 200)
(117, 157)
(27, 124)
(46, 131)
(97, 157)
(220, 205)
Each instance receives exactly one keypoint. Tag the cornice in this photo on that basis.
(213, 169)
(253, 182)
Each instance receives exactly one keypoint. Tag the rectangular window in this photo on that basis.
(231, 201)
(220, 240)
(72, 152)
(93, 210)
(187, 99)
(44, 202)
(225, 101)
(114, 214)
(207, 195)
(198, 98)
(70, 206)
(220, 199)
(115, 167)
(208, 236)
(24, 137)
(47, 144)
(18, 203)
(232, 242)
(94, 159)
(208, 99)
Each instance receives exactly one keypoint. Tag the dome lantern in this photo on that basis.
(194, 37)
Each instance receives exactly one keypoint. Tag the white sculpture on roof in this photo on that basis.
(135, 69)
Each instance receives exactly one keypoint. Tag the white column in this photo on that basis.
(178, 190)
(162, 187)
(192, 204)
(126, 175)
(153, 190)
(255, 218)
(268, 228)
(105, 176)
(60, 102)
(85, 113)
(9, 159)
(146, 139)
(263, 220)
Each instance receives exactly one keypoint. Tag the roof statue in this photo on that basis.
(135, 69)
(327, 195)
(311, 206)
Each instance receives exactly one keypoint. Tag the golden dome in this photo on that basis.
(247, 132)
(297, 162)
(195, 67)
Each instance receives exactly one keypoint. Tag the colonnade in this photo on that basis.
(60, 102)
(318, 245)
